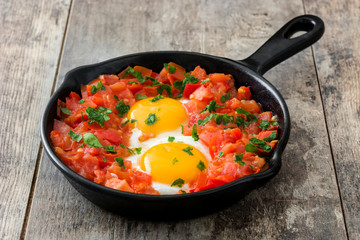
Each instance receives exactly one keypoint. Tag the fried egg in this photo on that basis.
(165, 160)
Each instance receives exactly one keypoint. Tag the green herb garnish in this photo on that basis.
(264, 125)
(140, 96)
(128, 149)
(157, 98)
(272, 136)
(201, 165)
(74, 136)
(165, 87)
(238, 159)
(250, 117)
(194, 134)
(99, 86)
(110, 149)
(151, 119)
(178, 182)
(212, 107)
(171, 139)
(122, 108)
(65, 110)
(91, 140)
(81, 101)
(138, 150)
(188, 150)
(170, 68)
(205, 80)
(220, 154)
(224, 98)
(175, 160)
(104, 159)
(120, 162)
(98, 115)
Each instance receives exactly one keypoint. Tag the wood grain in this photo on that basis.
(301, 202)
(337, 60)
(31, 37)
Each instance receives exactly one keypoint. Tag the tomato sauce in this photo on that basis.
(91, 134)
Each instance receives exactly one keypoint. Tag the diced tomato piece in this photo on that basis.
(179, 73)
(112, 135)
(244, 93)
(143, 70)
(118, 184)
(189, 89)
(199, 73)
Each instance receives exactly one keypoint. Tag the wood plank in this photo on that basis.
(301, 202)
(337, 60)
(31, 37)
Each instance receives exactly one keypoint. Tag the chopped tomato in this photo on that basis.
(189, 89)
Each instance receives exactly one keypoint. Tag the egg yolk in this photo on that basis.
(157, 116)
(168, 162)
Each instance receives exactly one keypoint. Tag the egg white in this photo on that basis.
(159, 139)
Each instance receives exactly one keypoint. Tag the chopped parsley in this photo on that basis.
(175, 160)
(221, 153)
(122, 108)
(256, 143)
(124, 123)
(116, 97)
(157, 98)
(140, 96)
(99, 86)
(128, 149)
(178, 182)
(250, 117)
(224, 98)
(133, 82)
(201, 166)
(133, 120)
(182, 128)
(91, 140)
(65, 110)
(272, 136)
(76, 137)
(170, 68)
(274, 123)
(81, 101)
(264, 125)
(165, 87)
(240, 121)
(98, 115)
(194, 134)
(180, 85)
(250, 148)
(182, 191)
(110, 149)
(188, 150)
(151, 119)
(205, 80)
(120, 162)
(104, 159)
(171, 139)
(212, 107)
(138, 150)
(238, 159)
(219, 119)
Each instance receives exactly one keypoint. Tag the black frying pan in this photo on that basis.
(248, 72)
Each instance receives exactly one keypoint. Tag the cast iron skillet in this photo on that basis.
(246, 72)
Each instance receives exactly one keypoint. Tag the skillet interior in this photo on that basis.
(186, 205)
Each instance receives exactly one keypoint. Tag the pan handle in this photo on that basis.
(281, 46)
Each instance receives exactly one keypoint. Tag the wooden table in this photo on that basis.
(315, 195)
